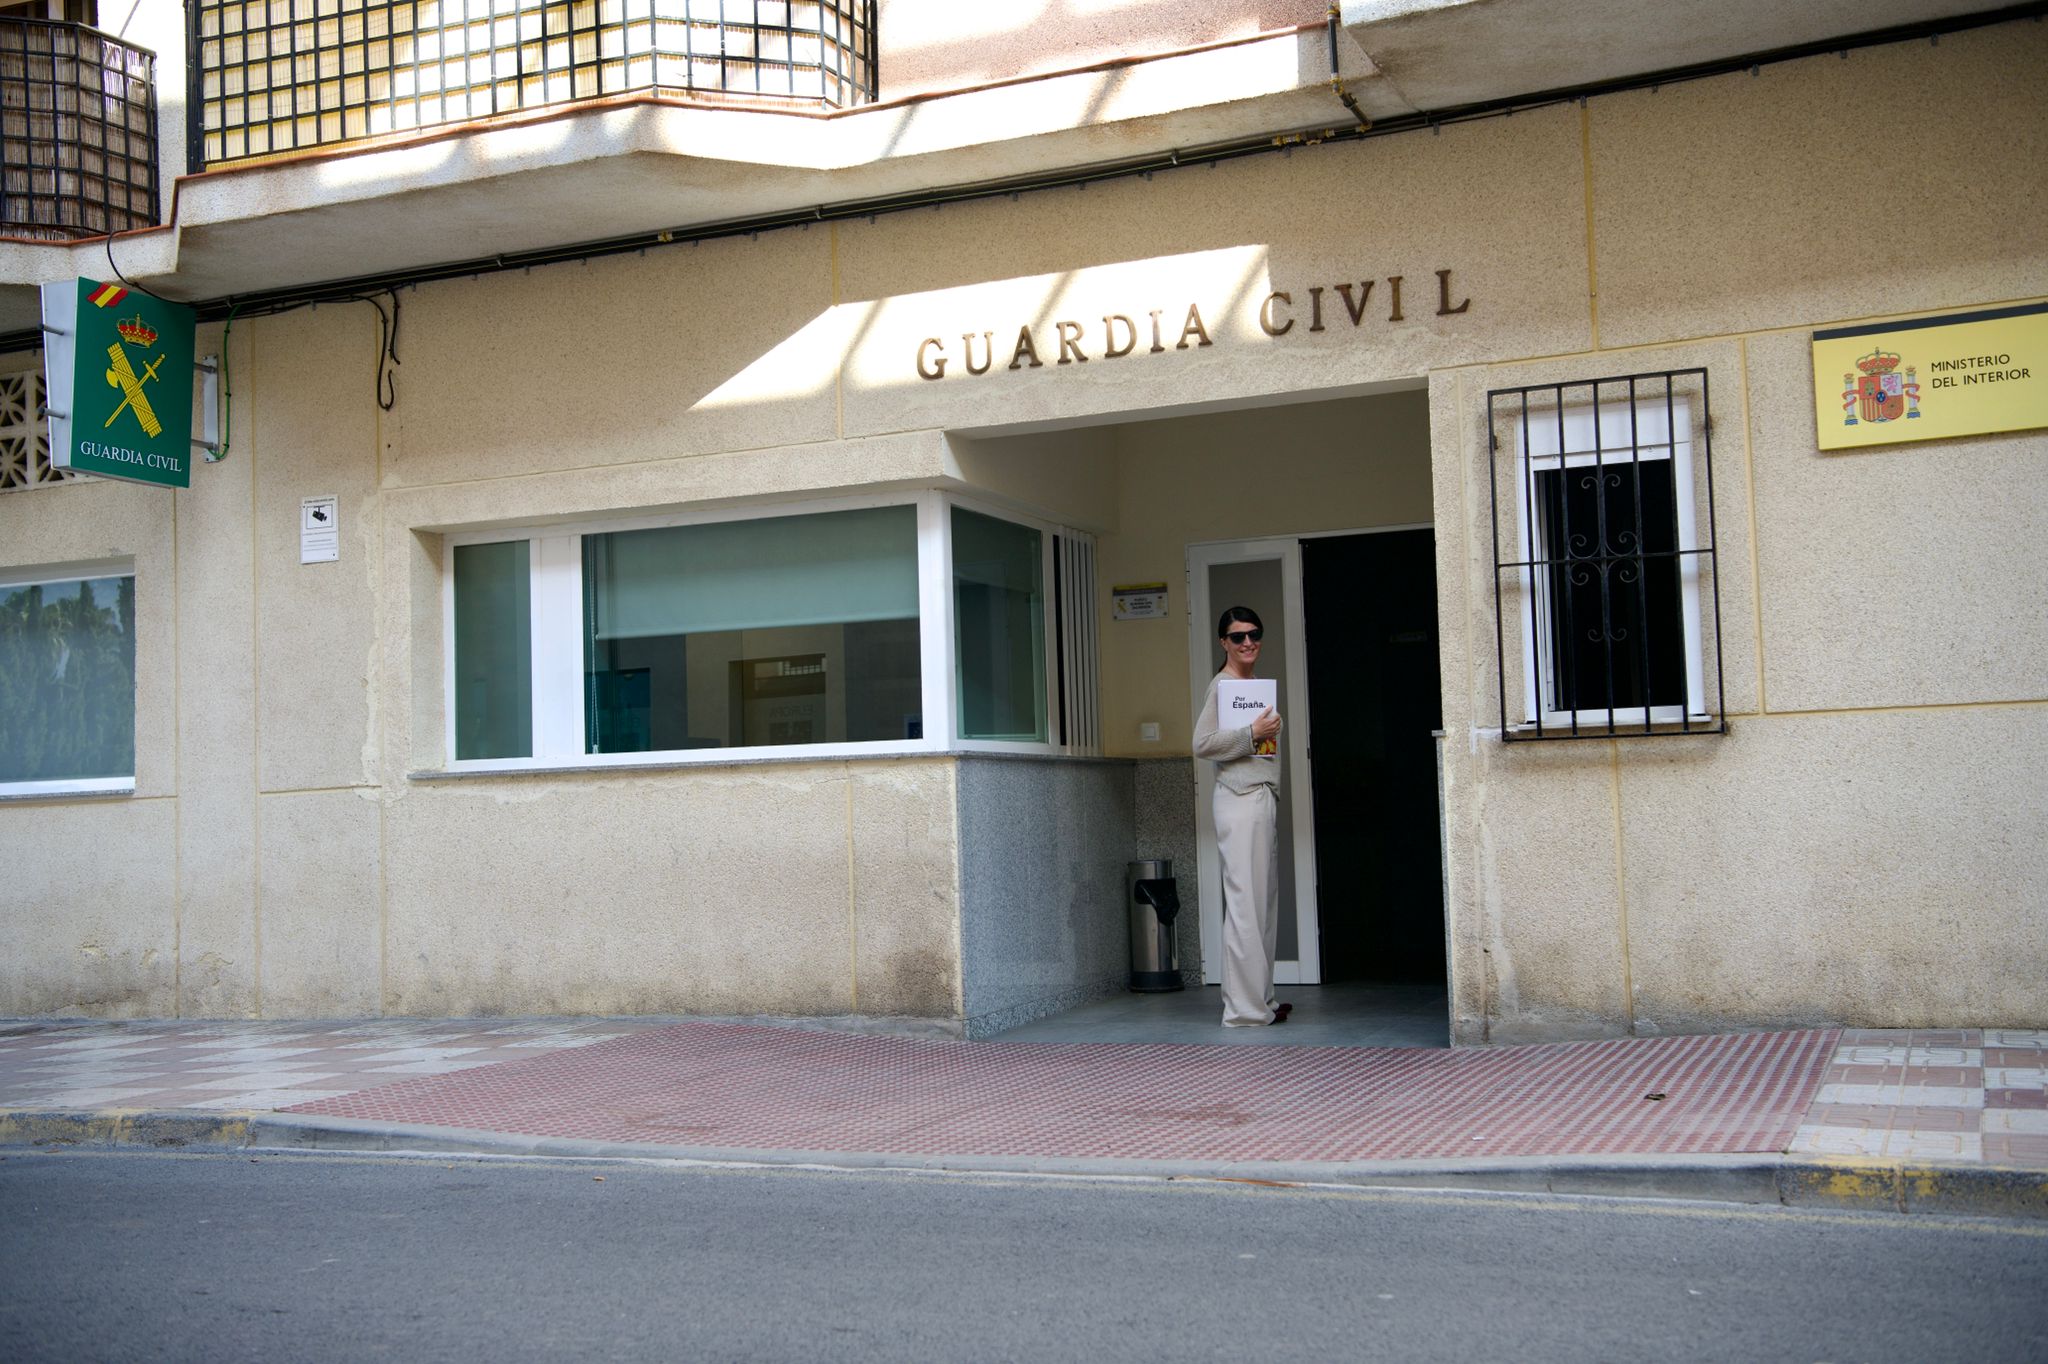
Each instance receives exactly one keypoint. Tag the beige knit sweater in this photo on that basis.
(1237, 768)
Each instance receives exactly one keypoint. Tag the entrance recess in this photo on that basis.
(1375, 682)
(1351, 637)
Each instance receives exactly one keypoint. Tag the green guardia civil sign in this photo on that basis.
(130, 408)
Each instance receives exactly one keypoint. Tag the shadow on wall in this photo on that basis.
(1062, 318)
(1173, 285)
(929, 45)
(1355, 289)
(624, 352)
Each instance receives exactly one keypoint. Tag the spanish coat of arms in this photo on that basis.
(1880, 393)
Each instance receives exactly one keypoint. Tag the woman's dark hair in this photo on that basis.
(1237, 613)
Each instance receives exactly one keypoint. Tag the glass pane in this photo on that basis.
(67, 680)
(493, 650)
(999, 617)
(782, 630)
(1616, 633)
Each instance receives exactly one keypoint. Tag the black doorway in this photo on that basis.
(1375, 695)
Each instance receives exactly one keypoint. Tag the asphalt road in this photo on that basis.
(112, 1256)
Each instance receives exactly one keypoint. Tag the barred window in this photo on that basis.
(78, 128)
(1604, 558)
(271, 78)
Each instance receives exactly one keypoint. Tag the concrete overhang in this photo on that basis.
(592, 172)
(1435, 55)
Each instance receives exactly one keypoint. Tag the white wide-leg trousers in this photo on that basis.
(1247, 828)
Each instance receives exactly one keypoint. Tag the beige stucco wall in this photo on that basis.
(1856, 849)
(802, 888)
(107, 942)
(1498, 204)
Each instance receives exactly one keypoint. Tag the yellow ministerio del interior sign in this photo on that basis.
(1930, 377)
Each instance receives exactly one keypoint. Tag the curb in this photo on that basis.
(147, 1131)
(1788, 1181)
(1960, 1190)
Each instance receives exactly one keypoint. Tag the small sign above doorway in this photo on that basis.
(1138, 601)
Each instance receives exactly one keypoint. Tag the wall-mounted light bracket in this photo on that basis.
(208, 439)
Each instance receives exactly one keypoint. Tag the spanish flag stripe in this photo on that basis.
(107, 295)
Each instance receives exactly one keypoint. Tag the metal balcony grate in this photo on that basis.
(278, 76)
(1606, 594)
(78, 150)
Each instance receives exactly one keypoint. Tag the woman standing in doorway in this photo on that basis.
(1247, 806)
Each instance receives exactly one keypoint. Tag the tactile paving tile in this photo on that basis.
(740, 1086)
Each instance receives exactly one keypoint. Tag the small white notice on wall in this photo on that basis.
(1138, 601)
(319, 533)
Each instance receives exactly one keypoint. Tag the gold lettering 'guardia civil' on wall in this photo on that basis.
(1352, 304)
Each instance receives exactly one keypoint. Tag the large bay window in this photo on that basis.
(744, 634)
(67, 681)
(915, 625)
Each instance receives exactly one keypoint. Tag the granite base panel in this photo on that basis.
(1017, 1015)
(1044, 844)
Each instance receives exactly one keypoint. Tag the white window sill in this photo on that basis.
(11, 792)
(1625, 724)
(784, 758)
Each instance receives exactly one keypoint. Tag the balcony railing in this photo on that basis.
(271, 77)
(77, 132)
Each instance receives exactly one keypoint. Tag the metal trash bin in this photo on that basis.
(1155, 943)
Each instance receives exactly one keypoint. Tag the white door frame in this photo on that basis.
(1307, 969)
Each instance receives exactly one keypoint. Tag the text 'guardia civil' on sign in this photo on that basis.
(1155, 331)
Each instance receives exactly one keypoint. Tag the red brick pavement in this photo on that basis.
(738, 1086)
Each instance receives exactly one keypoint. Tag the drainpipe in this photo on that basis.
(1337, 81)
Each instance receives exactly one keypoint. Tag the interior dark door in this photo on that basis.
(1375, 695)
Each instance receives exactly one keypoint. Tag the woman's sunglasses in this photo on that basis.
(1245, 636)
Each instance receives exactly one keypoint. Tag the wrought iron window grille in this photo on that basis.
(270, 77)
(78, 148)
(1607, 602)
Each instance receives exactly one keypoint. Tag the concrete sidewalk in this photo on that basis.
(1954, 1120)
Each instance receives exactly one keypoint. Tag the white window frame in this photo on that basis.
(556, 628)
(11, 578)
(1049, 665)
(1619, 431)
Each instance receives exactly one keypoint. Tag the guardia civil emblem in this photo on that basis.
(1880, 393)
(118, 363)
(132, 379)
